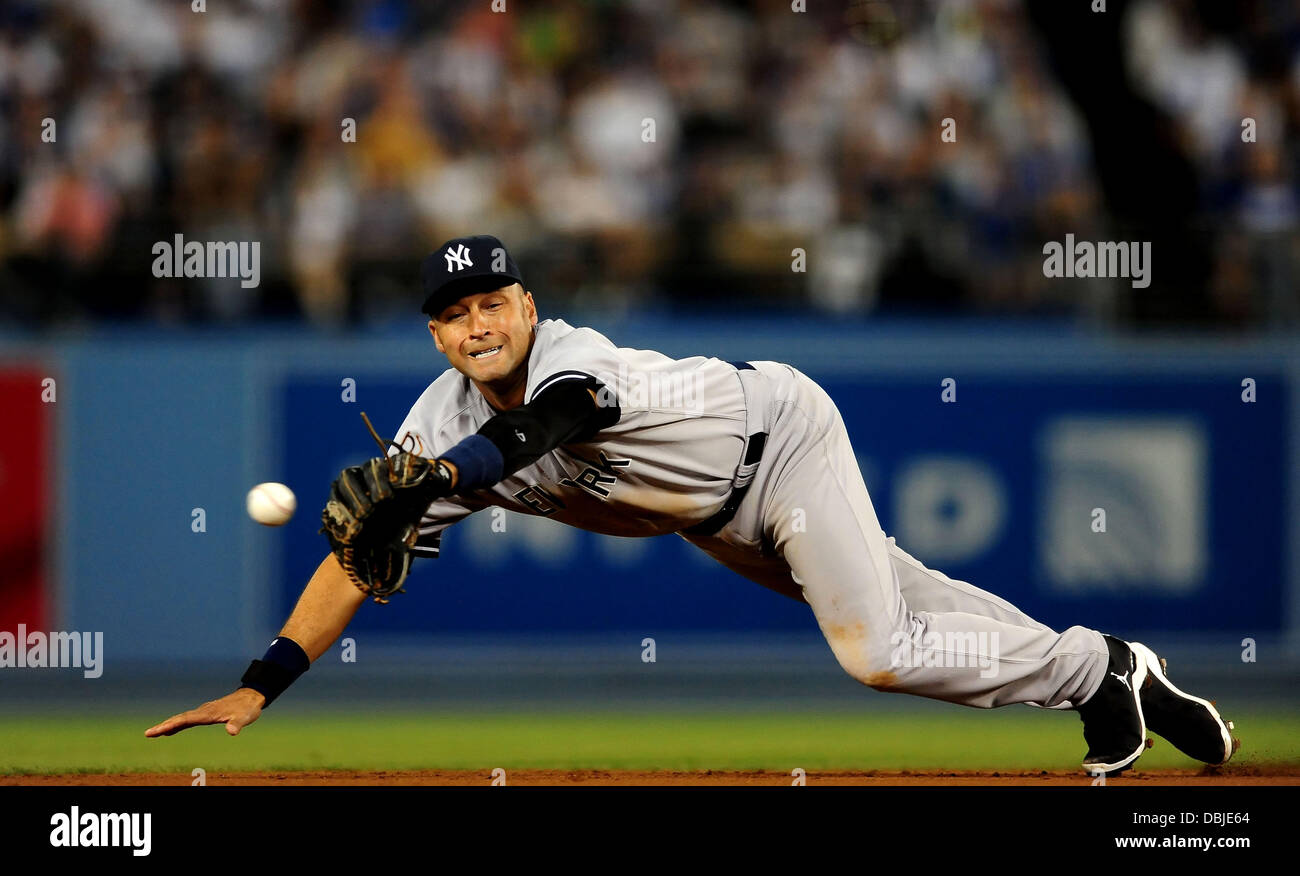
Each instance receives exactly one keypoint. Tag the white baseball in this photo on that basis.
(271, 504)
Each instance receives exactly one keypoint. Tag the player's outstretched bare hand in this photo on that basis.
(236, 710)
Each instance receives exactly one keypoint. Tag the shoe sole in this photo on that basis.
(1156, 669)
(1139, 678)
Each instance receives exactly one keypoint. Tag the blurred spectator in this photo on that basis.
(628, 151)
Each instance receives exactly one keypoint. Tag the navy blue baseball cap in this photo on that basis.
(466, 266)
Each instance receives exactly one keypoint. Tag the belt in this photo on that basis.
(754, 444)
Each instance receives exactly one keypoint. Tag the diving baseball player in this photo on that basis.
(748, 461)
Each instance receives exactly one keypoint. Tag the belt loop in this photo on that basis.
(754, 384)
(758, 398)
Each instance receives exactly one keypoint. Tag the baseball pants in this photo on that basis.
(806, 528)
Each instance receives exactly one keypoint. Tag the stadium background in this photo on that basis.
(775, 132)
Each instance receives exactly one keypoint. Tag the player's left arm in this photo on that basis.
(567, 411)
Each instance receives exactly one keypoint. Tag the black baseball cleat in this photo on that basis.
(1113, 724)
(1191, 724)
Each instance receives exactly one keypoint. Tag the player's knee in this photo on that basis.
(862, 659)
(878, 676)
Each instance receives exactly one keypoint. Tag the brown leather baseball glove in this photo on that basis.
(373, 514)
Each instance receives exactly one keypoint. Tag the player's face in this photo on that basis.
(487, 336)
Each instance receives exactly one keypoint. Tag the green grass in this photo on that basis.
(966, 739)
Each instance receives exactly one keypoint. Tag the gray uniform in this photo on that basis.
(805, 526)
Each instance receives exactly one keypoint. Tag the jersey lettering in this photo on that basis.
(591, 479)
(609, 464)
(539, 499)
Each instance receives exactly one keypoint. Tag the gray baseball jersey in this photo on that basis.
(669, 461)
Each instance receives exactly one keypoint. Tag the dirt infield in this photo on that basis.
(1246, 775)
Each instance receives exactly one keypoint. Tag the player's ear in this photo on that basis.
(436, 342)
(530, 308)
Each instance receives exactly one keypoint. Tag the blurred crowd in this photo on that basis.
(631, 154)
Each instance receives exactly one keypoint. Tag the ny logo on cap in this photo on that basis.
(457, 259)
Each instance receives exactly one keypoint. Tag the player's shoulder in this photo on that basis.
(565, 352)
(560, 345)
(553, 332)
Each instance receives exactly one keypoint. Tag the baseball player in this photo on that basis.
(748, 461)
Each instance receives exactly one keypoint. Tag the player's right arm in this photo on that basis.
(323, 611)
